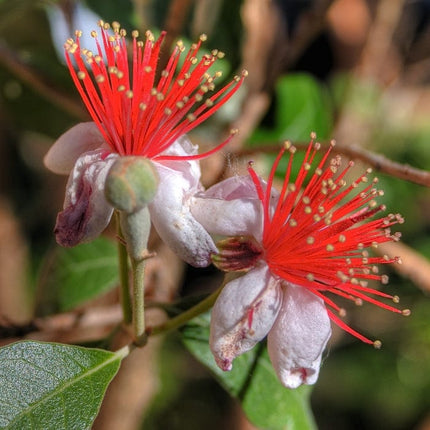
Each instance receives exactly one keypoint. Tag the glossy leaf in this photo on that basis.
(81, 273)
(267, 403)
(53, 386)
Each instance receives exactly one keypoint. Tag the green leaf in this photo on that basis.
(53, 386)
(81, 273)
(301, 107)
(267, 403)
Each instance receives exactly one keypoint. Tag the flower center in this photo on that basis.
(237, 253)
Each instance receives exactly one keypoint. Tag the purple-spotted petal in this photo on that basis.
(86, 211)
(298, 337)
(243, 314)
(64, 153)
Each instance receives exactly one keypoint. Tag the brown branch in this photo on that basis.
(70, 327)
(31, 77)
(377, 161)
(414, 266)
(383, 164)
(174, 24)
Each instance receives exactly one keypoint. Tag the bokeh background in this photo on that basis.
(354, 70)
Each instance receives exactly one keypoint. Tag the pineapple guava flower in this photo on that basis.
(301, 247)
(135, 113)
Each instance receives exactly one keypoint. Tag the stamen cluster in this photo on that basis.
(316, 236)
(137, 112)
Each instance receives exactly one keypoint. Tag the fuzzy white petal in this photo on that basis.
(229, 217)
(64, 153)
(231, 208)
(86, 211)
(170, 208)
(243, 314)
(298, 337)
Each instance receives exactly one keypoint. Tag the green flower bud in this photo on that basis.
(131, 183)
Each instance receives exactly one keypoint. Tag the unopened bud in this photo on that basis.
(131, 184)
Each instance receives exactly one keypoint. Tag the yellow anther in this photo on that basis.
(310, 277)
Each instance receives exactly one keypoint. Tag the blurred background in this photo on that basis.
(354, 70)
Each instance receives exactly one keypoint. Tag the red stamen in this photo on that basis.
(317, 235)
(135, 114)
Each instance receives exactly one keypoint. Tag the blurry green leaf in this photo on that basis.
(301, 106)
(267, 403)
(52, 386)
(81, 273)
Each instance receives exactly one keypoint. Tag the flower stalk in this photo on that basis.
(140, 337)
(123, 274)
(189, 314)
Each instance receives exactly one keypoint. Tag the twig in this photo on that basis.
(53, 327)
(414, 266)
(174, 24)
(15, 65)
(377, 161)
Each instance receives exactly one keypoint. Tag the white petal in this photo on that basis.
(86, 211)
(243, 314)
(171, 215)
(231, 208)
(64, 153)
(236, 187)
(229, 217)
(190, 169)
(80, 17)
(298, 337)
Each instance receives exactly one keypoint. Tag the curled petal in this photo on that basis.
(230, 208)
(298, 337)
(86, 212)
(243, 314)
(236, 187)
(171, 215)
(64, 153)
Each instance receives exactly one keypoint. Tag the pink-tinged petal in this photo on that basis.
(231, 208)
(64, 153)
(171, 215)
(229, 218)
(86, 211)
(236, 187)
(243, 314)
(190, 169)
(298, 337)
